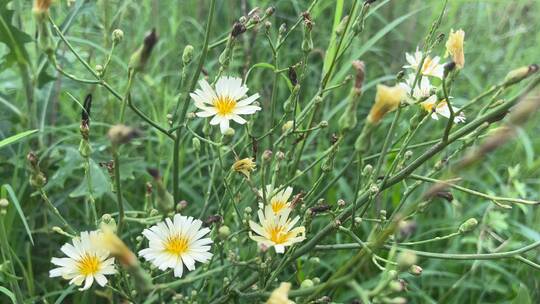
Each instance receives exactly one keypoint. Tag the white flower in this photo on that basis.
(441, 109)
(225, 103)
(431, 66)
(86, 261)
(422, 88)
(279, 201)
(177, 242)
(276, 229)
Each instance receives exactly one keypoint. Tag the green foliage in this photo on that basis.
(405, 187)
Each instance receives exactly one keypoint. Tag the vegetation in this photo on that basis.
(261, 151)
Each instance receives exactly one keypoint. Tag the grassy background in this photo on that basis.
(500, 35)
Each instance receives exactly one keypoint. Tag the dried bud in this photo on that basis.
(293, 77)
(280, 155)
(341, 203)
(449, 67)
(360, 68)
(238, 29)
(117, 36)
(270, 11)
(187, 55)
(468, 226)
(41, 6)
(319, 208)
(213, 219)
(181, 205)
(139, 59)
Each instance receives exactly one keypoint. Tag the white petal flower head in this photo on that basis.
(224, 103)
(421, 90)
(177, 242)
(85, 262)
(441, 108)
(279, 201)
(276, 229)
(430, 67)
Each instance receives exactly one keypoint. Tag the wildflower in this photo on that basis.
(244, 166)
(85, 262)
(430, 67)
(276, 229)
(177, 242)
(279, 201)
(386, 100)
(441, 108)
(225, 103)
(280, 295)
(422, 89)
(454, 47)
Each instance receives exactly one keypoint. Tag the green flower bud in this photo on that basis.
(117, 36)
(224, 232)
(406, 259)
(196, 144)
(468, 225)
(187, 56)
(307, 284)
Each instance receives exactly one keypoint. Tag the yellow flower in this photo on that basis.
(386, 100)
(280, 295)
(244, 166)
(454, 47)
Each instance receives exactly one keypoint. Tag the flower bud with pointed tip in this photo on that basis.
(117, 36)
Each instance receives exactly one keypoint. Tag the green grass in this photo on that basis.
(500, 36)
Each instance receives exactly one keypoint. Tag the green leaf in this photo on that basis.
(7, 188)
(522, 296)
(13, 38)
(8, 293)
(12, 139)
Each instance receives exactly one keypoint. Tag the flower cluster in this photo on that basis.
(276, 229)
(425, 69)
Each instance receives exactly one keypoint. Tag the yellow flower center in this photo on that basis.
(278, 205)
(278, 235)
(177, 244)
(224, 105)
(89, 264)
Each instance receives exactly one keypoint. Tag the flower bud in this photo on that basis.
(415, 270)
(270, 11)
(107, 222)
(196, 143)
(468, 225)
(307, 283)
(117, 36)
(323, 124)
(121, 134)
(187, 55)
(224, 232)
(287, 126)
(267, 155)
(519, 74)
(406, 259)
